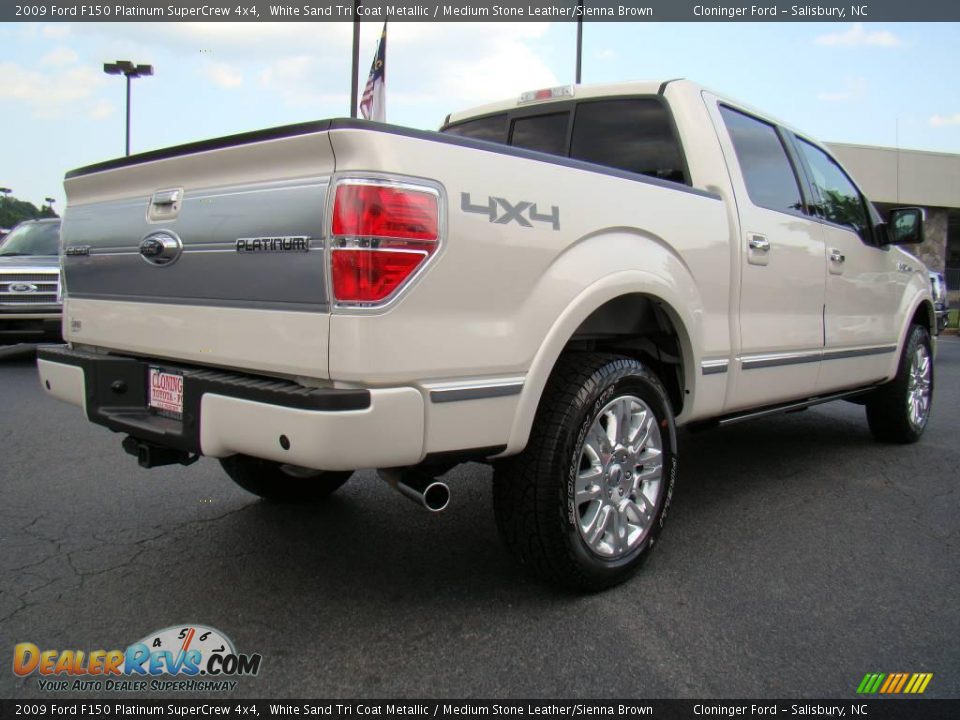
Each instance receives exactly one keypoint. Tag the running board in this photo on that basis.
(725, 420)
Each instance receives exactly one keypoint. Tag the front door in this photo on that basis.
(864, 283)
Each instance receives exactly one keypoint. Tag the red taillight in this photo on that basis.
(371, 275)
(380, 236)
(384, 211)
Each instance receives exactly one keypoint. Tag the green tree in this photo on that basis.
(13, 211)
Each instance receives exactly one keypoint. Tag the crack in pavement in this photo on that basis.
(140, 547)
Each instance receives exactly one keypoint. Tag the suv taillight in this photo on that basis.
(381, 234)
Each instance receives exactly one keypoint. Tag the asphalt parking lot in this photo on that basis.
(799, 556)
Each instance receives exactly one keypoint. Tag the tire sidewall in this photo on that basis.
(918, 336)
(619, 378)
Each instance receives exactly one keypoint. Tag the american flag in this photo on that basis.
(373, 104)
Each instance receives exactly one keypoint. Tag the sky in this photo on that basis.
(891, 84)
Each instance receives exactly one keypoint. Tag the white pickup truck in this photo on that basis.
(551, 284)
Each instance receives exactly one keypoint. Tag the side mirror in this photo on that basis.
(905, 226)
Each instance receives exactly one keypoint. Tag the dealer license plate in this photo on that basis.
(165, 392)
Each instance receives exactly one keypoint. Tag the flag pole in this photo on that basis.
(355, 67)
(579, 37)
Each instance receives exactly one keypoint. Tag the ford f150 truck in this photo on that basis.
(551, 284)
(30, 282)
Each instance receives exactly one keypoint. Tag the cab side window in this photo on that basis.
(767, 172)
(839, 200)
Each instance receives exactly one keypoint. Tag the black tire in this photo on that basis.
(534, 492)
(888, 408)
(282, 483)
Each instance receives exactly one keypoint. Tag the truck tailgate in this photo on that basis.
(211, 252)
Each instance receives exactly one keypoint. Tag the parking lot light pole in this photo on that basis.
(579, 74)
(355, 59)
(130, 70)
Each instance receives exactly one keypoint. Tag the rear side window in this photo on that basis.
(767, 172)
(633, 134)
(840, 201)
(546, 133)
(492, 128)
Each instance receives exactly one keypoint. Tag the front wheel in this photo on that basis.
(898, 411)
(584, 503)
(282, 483)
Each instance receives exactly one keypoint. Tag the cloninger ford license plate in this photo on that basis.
(165, 392)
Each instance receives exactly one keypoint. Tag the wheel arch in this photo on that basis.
(924, 314)
(617, 313)
(921, 312)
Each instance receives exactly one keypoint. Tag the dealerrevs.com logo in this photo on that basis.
(177, 658)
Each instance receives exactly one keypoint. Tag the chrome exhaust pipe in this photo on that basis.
(424, 490)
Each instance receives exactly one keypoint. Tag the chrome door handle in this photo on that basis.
(758, 242)
(837, 256)
(165, 197)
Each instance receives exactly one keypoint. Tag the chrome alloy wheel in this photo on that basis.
(919, 386)
(619, 478)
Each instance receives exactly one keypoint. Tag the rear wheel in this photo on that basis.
(282, 483)
(898, 411)
(585, 502)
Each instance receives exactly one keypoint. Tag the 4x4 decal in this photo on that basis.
(512, 212)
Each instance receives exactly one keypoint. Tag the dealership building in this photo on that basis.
(892, 177)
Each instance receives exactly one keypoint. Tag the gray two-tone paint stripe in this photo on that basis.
(210, 270)
(455, 392)
(754, 362)
(842, 354)
(715, 366)
(205, 303)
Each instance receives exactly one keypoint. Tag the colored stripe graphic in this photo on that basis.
(894, 683)
(891, 680)
(870, 683)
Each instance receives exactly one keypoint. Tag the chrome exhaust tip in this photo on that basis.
(425, 491)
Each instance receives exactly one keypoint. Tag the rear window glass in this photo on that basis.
(633, 134)
(492, 128)
(546, 133)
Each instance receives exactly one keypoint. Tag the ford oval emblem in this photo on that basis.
(161, 248)
(23, 288)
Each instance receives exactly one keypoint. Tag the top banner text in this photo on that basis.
(473, 11)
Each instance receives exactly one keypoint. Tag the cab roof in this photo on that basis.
(579, 92)
(636, 87)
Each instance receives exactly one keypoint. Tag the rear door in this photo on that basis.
(781, 258)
